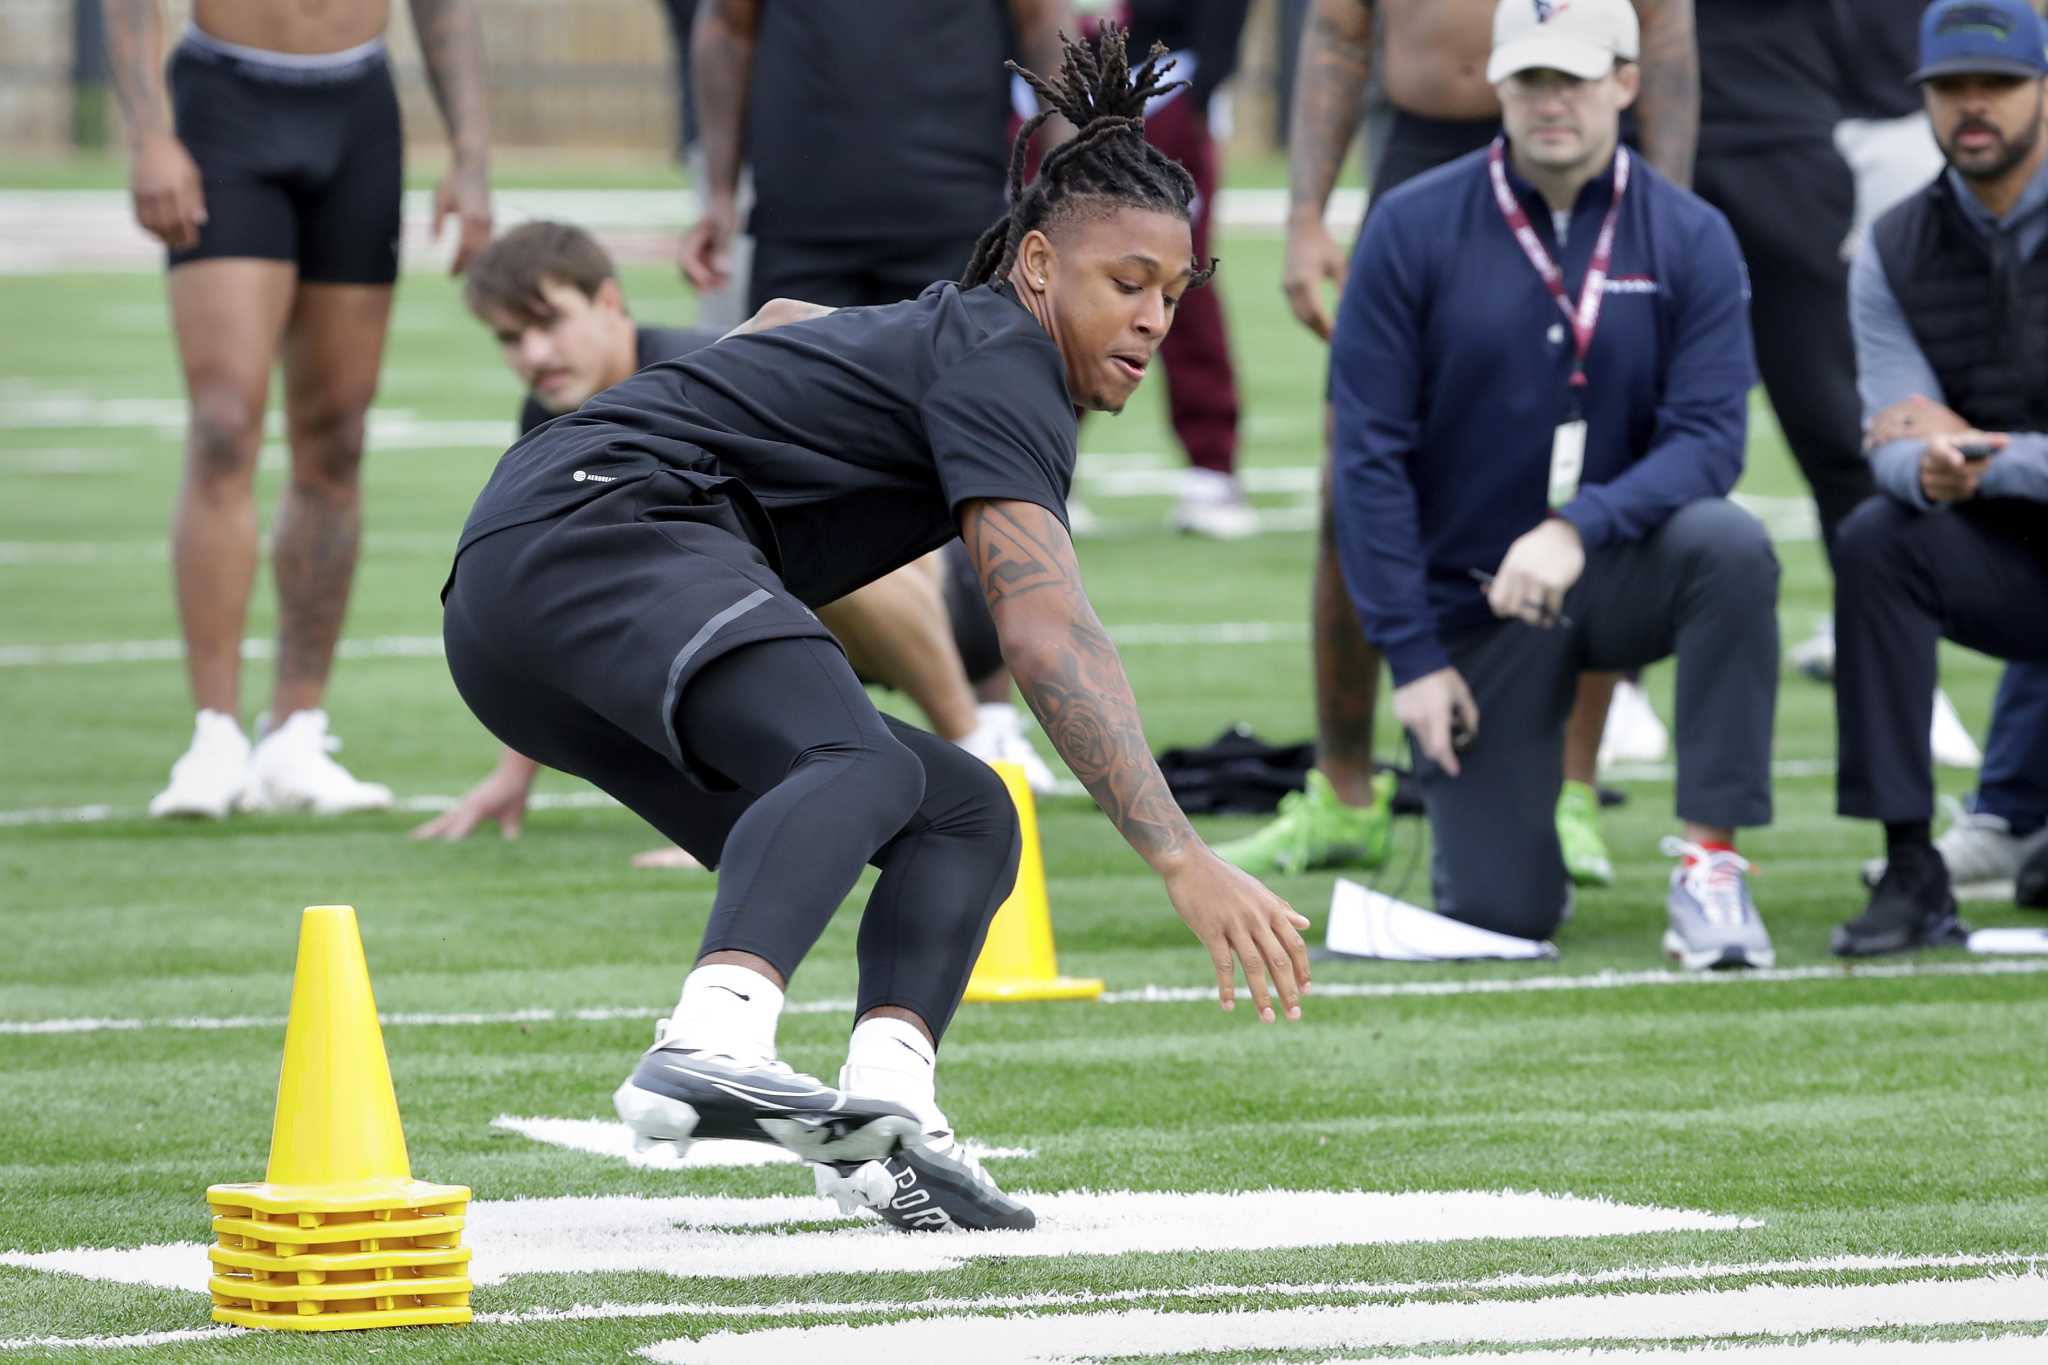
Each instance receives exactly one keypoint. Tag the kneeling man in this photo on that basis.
(1541, 371)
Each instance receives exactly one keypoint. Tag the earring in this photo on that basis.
(1041, 281)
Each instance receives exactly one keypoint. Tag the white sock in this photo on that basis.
(727, 1009)
(890, 1059)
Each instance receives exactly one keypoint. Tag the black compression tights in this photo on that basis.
(838, 786)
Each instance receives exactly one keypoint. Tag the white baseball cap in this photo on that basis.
(1582, 38)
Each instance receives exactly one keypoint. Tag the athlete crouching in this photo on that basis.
(631, 603)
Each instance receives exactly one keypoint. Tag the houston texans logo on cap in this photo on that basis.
(1546, 10)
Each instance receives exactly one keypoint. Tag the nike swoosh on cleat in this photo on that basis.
(730, 991)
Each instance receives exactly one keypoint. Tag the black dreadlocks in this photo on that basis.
(1107, 163)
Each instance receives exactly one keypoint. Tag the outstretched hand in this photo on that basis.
(1240, 922)
(500, 797)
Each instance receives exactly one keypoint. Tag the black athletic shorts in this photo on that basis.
(852, 274)
(298, 164)
(600, 617)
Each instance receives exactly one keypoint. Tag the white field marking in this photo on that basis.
(1376, 1289)
(95, 814)
(1762, 1310)
(1160, 634)
(692, 1236)
(133, 1341)
(43, 231)
(2025, 1350)
(609, 1137)
(68, 460)
(1115, 480)
(78, 553)
(1142, 995)
(597, 1312)
(30, 407)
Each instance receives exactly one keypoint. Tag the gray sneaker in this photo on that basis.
(1714, 923)
(1978, 847)
(933, 1184)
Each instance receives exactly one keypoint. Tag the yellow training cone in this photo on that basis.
(1018, 961)
(339, 1234)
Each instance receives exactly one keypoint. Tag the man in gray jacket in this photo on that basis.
(1949, 301)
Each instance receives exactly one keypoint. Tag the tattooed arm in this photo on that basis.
(1070, 674)
(1329, 96)
(1669, 105)
(169, 201)
(452, 45)
(721, 69)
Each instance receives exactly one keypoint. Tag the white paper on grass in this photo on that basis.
(2022, 940)
(1368, 923)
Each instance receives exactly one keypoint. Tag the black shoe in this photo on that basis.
(1911, 907)
(931, 1185)
(2030, 886)
(678, 1097)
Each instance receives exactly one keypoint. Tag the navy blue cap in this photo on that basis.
(1982, 37)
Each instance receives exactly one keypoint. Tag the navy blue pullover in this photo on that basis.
(1451, 367)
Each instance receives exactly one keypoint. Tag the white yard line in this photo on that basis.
(2026, 1350)
(1764, 1310)
(133, 1341)
(1142, 995)
(610, 1138)
(714, 1236)
(1164, 634)
(1381, 1290)
(1376, 1289)
(45, 231)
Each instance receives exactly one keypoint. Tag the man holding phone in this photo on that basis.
(1949, 302)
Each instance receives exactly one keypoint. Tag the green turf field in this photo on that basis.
(1822, 1153)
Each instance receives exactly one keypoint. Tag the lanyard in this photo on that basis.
(1585, 319)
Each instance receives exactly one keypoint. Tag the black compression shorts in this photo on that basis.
(606, 613)
(298, 163)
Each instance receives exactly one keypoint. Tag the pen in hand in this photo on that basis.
(1485, 582)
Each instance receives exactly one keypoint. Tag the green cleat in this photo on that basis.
(1315, 829)
(1578, 834)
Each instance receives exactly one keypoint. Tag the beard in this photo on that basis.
(2005, 154)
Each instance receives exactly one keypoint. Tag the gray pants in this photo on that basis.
(1703, 587)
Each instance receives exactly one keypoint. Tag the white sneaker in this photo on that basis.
(1977, 847)
(999, 738)
(1950, 742)
(290, 769)
(1815, 655)
(1213, 505)
(206, 780)
(1633, 733)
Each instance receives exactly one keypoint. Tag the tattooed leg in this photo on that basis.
(333, 349)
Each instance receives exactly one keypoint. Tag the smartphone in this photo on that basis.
(1976, 451)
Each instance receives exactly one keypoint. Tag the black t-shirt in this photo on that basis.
(1768, 74)
(859, 433)
(649, 345)
(1879, 45)
(882, 120)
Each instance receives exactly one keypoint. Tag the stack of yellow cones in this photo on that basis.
(338, 1234)
(1018, 961)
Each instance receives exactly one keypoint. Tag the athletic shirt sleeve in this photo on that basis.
(1000, 424)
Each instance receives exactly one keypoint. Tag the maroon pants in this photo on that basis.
(1201, 386)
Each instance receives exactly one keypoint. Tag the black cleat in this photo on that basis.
(678, 1097)
(931, 1185)
(1912, 907)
